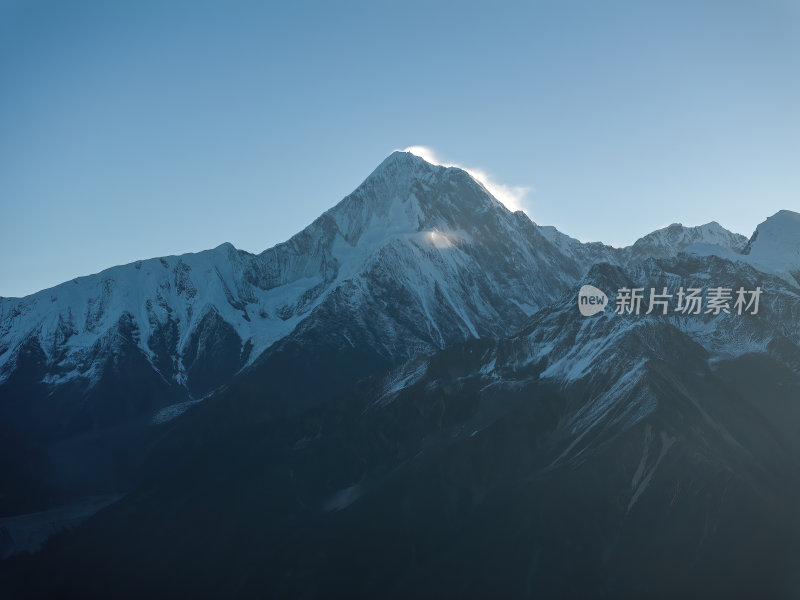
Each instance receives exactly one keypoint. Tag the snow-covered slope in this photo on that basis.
(573, 347)
(775, 245)
(168, 299)
(584, 254)
(675, 238)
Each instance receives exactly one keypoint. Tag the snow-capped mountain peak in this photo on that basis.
(675, 238)
(774, 247)
(419, 228)
(776, 242)
(710, 238)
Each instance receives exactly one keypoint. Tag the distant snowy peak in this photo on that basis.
(676, 238)
(662, 243)
(776, 243)
(773, 248)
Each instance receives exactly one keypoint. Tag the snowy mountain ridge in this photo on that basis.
(662, 243)
(434, 221)
(429, 218)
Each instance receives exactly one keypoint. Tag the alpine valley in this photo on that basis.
(403, 400)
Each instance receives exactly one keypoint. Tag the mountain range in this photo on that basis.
(404, 399)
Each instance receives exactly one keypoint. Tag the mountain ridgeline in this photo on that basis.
(403, 399)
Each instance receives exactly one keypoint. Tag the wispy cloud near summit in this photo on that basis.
(511, 196)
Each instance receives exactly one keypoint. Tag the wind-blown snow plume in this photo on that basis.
(511, 196)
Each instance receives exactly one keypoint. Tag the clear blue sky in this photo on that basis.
(136, 129)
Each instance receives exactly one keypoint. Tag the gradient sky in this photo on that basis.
(137, 129)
